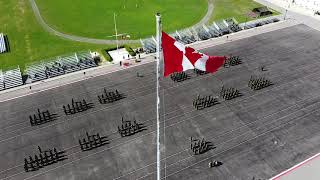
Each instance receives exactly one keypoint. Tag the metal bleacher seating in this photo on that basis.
(232, 24)
(260, 22)
(36, 72)
(60, 65)
(10, 78)
(223, 28)
(149, 45)
(3, 47)
(85, 60)
(1, 81)
(213, 31)
(70, 63)
(185, 37)
(203, 34)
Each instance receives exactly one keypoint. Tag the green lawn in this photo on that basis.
(234, 8)
(135, 17)
(28, 41)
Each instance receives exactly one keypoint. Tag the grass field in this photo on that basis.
(29, 42)
(234, 8)
(135, 17)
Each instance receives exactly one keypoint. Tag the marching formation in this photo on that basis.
(42, 117)
(110, 97)
(229, 93)
(232, 61)
(77, 106)
(257, 83)
(179, 76)
(200, 146)
(44, 158)
(51, 156)
(129, 128)
(92, 141)
(204, 102)
(199, 72)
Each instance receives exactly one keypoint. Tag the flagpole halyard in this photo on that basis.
(158, 21)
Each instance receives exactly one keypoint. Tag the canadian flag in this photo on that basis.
(178, 58)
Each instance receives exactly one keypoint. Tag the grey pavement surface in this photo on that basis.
(47, 27)
(259, 134)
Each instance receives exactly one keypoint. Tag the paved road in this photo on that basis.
(258, 134)
(42, 22)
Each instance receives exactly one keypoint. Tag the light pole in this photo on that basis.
(285, 14)
(115, 29)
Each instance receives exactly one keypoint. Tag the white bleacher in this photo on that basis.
(85, 60)
(36, 72)
(12, 78)
(3, 47)
(53, 68)
(71, 63)
(60, 65)
(258, 22)
(149, 45)
(186, 37)
(1, 81)
(204, 32)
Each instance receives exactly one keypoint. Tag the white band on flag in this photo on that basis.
(180, 46)
(201, 63)
(186, 64)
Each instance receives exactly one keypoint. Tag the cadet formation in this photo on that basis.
(76, 107)
(200, 146)
(44, 158)
(92, 141)
(131, 127)
(229, 93)
(204, 102)
(232, 61)
(42, 117)
(257, 83)
(128, 128)
(179, 76)
(110, 96)
(51, 156)
(199, 72)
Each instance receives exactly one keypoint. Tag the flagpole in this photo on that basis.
(158, 19)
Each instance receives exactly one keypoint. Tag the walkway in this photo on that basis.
(41, 21)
